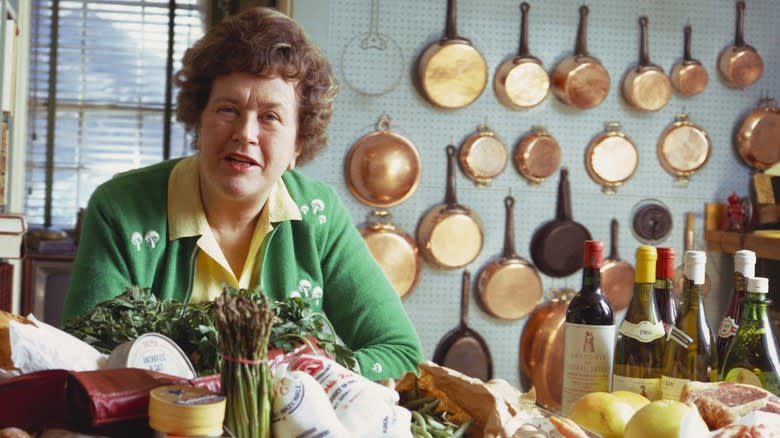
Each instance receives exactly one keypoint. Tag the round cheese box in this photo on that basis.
(178, 410)
(152, 351)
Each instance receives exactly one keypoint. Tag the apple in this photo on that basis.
(636, 400)
(666, 419)
(602, 413)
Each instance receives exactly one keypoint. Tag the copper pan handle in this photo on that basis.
(509, 231)
(581, 47)
(687, 44)
(563, 212)
(464, 298)
(739, 35)
(523, 51)
(452, 18)
(644, 49)
(613, 239)
(450, 198)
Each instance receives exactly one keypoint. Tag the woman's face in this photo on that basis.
(247, 136)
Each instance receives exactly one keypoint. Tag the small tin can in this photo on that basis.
(152, 351)
(186, 411)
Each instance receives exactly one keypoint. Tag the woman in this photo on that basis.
(258, 96)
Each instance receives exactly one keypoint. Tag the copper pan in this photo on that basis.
(683, 148)
(611, 158)
(382, 169)
(521, 82)
(757, 136)
(645, 86)
(740, 65)
(394, 250)
(689, 77)
(617, 275)
(450, 235)
(580, 79)
(483, 156)
(451, 72)
(537, 155)
(679, 276)
(509, 287)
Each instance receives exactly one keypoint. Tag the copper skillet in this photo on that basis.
(617, 275)
(449, 235)
(757, 136)
(451, 72)
(611, 158)
(537, 155)
(688, 77)
(740, 65)
(394, 250)
(382, 168)
(580, 79)
(646, 86)
(521, 82)
(509, 287)
(483, 156)
(683, 148)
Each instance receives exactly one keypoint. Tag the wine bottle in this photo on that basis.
(639, 348)
(744, 267)
(663, 291)
(752, 356)
(589, 333)
(690, 352)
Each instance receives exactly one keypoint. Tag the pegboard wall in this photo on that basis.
(493, 28)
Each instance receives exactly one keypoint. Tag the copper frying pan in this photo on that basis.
(394, 250)
(537, 155)
(689, 77)
(580, 79)
(617, 275)
(757, 136)
(740, 65)
(451, 72)
(509, 287)
(483, 156)
(449, 235)
(679, 276)
(611, 158)
(683, 148)
(521, 82)
(462, 348)
(646, 86)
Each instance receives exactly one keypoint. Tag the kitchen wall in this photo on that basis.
(493, 28)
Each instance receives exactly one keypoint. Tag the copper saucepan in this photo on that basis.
(537, 155)
(758, 134)
(483, 156)
(688, 77)
(521, 82)
(382, 168)
(683, 148)
(740, 64)
(450, 235)
(581, 80)
(451, 72)
(611, 158)
(646, 86)
(509, 287)
(617, 275)
(394, 250)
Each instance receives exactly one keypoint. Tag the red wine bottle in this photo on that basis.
(663, 290)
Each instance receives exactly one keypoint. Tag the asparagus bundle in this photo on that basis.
(243, 319)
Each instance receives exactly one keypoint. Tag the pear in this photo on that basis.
(666, 419)
(602, 413)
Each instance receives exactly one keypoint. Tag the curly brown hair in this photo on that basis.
(265, 42)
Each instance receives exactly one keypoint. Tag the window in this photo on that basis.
(100, 96)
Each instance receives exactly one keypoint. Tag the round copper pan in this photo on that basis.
(646, 86)
(688, 244)
(509, 287)
(611, 158)
(394, 250)
(617, 275)
(483, 156)
(449, 235)
(382, 168)
(740, 65)
(521, 82)
(451, 72)
(688, 77)
(683, 148)
(537, 155)
(581, 80)
(757, 137)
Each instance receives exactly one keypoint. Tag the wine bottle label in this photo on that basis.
(650, 388)
(587, 361)
(672, 387)
(728, 327)
(679, 336)
(645, 331)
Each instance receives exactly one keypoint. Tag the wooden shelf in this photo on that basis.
(766, 246)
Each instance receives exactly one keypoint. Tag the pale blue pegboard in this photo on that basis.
(493, 28)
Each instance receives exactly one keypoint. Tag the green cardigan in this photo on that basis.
(124, 241)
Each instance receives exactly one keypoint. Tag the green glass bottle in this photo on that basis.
(753, 354)
(690, 352)
(639, 348)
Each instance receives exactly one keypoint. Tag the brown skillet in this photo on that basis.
(689, 77)
(617, 275)
(646, 86)
(580, 79)
(483, 156)
(537, 155)
(462, 348)
(556, 246)
(394, 250)
(757, 136)
(451, 72)
(509, 287)
(449, 235)
(521, 82)
(740, 64)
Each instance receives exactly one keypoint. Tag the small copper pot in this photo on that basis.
(537, 155)
(740, 64)
(689, 77)
(483, 156)
(646, 86)
(611, 158)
